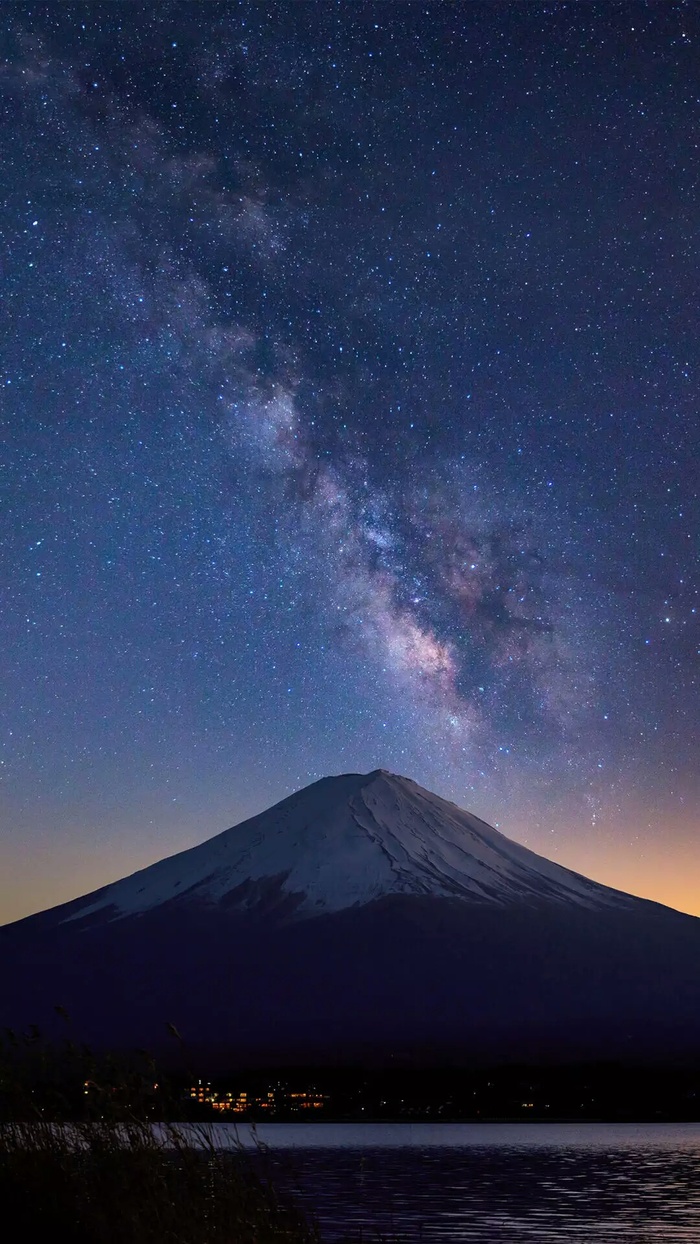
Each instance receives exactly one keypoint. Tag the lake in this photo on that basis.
(492, 1183)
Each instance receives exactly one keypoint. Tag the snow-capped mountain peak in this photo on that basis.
(344, 842)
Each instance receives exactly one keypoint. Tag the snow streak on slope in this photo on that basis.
(346, 841)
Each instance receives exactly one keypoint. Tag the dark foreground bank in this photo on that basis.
(611, 1092)
(103, 1183)
(81, 1159)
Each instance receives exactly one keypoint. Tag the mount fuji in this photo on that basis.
(362, 919)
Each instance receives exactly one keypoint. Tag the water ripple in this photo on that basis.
(607, 1190)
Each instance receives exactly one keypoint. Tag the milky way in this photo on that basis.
(349, 398)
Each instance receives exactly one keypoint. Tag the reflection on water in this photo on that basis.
(497, 1184)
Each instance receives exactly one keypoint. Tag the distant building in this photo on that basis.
(275, 1099)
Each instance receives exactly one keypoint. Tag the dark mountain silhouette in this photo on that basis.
(362, 919)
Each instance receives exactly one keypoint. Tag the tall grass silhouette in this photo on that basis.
(88, 1154)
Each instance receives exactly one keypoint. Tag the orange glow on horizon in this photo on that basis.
(660, 862)
(663, 869)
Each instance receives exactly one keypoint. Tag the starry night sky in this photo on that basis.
(349, 419)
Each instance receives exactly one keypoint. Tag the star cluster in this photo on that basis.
(349, 406)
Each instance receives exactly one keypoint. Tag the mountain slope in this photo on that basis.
(349, 840)
(362, 918)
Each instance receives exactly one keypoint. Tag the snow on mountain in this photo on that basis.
(344, 842)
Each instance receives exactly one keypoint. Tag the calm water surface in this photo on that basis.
(492, 1183)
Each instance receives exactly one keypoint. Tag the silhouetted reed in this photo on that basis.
(87, 1154)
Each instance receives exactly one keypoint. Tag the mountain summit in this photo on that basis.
(347, 841)
(361, 919)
